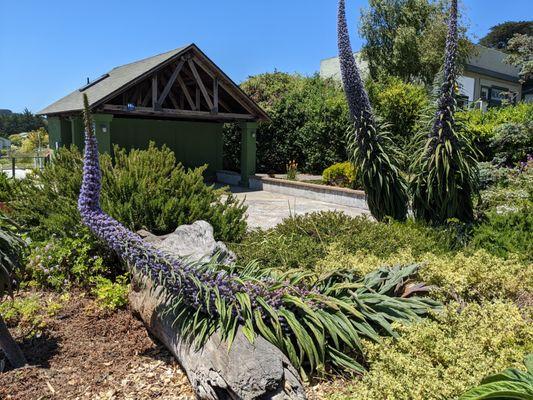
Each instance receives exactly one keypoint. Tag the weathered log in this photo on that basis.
(257, 370)
(10, 347)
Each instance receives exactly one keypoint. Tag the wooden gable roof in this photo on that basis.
(180, 84)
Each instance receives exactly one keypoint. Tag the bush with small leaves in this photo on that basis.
(441, 358)
(342, 174)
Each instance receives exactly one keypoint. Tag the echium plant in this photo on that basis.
(370, 146)
(313, 320)
(445, 170)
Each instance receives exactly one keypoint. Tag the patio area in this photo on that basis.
(267, 209)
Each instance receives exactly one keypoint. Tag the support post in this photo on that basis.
(102, 127)
(77, 131)
(248, 149)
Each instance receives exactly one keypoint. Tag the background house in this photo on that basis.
(179, 98)
(486, 77)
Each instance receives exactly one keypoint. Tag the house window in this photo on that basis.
(485, 92)
(496, 96)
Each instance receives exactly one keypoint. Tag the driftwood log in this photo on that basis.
(257, 370)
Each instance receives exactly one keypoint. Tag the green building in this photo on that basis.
(179, 98)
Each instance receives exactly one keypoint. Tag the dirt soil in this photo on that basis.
(87, 354)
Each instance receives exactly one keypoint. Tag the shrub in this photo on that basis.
(45, 202)
(303, 240)
(29, 313)
(469, 275)
(341, 174)
(400, 105)
(111, 295)
(511, 383)
(142, 189)
(65, 261)
(147, 189)
(505, 232)
(480, 126)
(308, 123)
(512, 142)
(441, 358)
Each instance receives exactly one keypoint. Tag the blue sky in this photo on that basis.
(48, 48)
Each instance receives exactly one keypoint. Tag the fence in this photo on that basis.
(13, 162)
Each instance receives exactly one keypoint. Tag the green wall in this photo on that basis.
(59, 131)
(193, 143)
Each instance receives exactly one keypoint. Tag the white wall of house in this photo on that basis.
(486, 73)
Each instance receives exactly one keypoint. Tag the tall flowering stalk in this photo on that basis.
(445, 169)
(370, 146)
(312, 320)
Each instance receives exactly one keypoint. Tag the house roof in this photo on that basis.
(120, 78)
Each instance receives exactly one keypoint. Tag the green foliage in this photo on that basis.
(520, 49)
(400, 105)
(11, 247)
(303, 240)
(147, 189)
(504, 232)
(440, 358)
(512, 142)
(471, 275)
(111, 295)
(37, 139)
(507, 189)
(341, 174)
(444, 174)
(142, 189)
(62, 262)
(499, 35)
(373, 153)
(406, 38)
(507, 385)
(20, 122)
(309, 121)
(292, 170)
(480, 127)
(45, 203)
(315, 328)
(30, 313)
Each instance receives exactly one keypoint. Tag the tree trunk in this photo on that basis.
(247, 371)
(10, 347)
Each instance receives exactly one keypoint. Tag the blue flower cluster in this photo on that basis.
(444, 125)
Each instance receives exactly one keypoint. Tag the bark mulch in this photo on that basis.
(86, 354)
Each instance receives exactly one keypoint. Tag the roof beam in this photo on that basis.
(171, 113)
(186, 93)
(169, 84)
(154, 92)
(200, 83)
(215, 96)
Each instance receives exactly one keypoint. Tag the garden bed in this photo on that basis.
(314, 191)
(86, 354)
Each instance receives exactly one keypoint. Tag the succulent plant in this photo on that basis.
(445, 168)
(370, 146)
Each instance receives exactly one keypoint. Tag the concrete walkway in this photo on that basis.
(267, 209)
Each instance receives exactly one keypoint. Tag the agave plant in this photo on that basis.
(370, 146)
(10, 253)
(445, 169)
(314, 320)
(507, 385)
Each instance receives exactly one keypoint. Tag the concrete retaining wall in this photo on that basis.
(328, 194)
